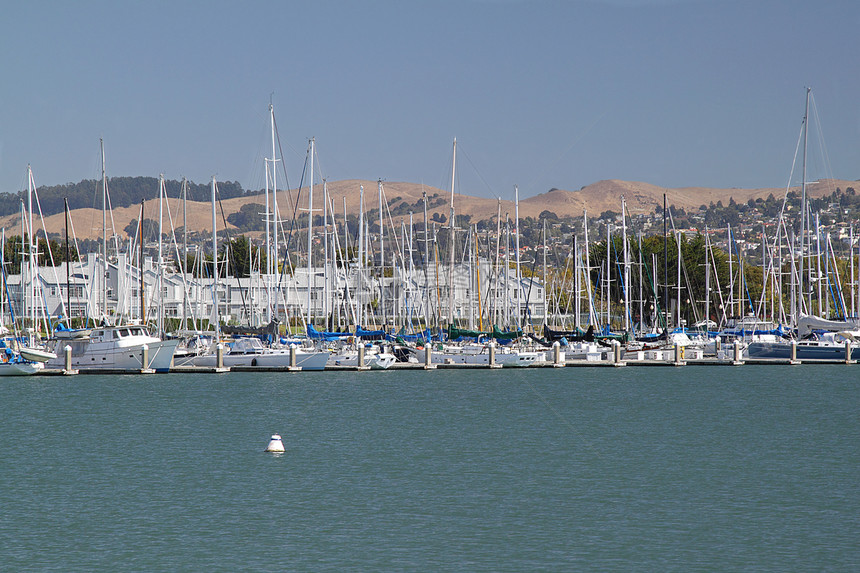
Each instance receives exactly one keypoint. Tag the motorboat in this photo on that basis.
(376, 359)
(251, 352)
(12, 363)
(116, 348)
(822, 346)
(478, 354)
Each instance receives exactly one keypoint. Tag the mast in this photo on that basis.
(273, 265)
(325, 250)
(678, 278)
(497, 275)
(851, 266)
(31, 249)
(160, 291)
(478, 278)
(215, 265)
(345, 257)
(381, 254)
(426, 262)
(104, 231)
(666, 268)
(184, 266)
(310, 230)
(641, 298)
(453, 240)
(707, 278)
(507, 272)
(68, 267)
(592, 317)
(608, 297)
(577, 284)
(519, 277)
(626, 266)
(140, 265)
(803, 220)
(360, 316)
(545, 286)
(731, 300)
(268, 239)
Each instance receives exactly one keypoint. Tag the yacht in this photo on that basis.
(251, 352)
(479, 354)
(115, 348)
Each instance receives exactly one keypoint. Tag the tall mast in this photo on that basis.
(608, 297)
(381, 253)
(497, 275)
(358, 297)
(69, 272)
(267, 217)
(519, 277)
(310, 230)
(731, 300)
(426, 262)
(803, 221)
(577, 284)
(160, 291)
(104, 230)
(184, 266)
(641, 298)
(31, 249)
(678, 278)
(453, 240)
(666, 268)
(707, 278)
(545, 286)
(275, 251)
(325, 250)
(140, 265)
(626, 266)
(215, 265)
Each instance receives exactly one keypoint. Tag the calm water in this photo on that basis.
(638, 469)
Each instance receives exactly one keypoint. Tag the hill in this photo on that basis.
(402, 198)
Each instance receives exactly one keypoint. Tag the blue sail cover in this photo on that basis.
(315, 334)
(369, 334)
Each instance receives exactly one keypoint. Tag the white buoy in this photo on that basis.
(275, 445)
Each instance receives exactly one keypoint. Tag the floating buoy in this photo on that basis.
(275, 445)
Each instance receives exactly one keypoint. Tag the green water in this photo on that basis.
(747, 468)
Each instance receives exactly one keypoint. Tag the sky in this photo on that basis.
(540, 94)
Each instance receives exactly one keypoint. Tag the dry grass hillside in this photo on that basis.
(596, 198)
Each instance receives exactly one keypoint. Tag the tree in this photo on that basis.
(243, 256)
(150, 229)
(248, 218)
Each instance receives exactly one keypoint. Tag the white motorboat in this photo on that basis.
(20, 368)
(12, 363)
(376, 360)
(478, 354)
(116, 348)
(251, 352)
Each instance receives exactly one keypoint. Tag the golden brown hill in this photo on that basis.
(596, 198)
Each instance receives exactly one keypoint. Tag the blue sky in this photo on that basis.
(540, 94)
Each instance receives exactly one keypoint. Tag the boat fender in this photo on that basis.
(253, 362)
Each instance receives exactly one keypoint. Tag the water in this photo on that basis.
(635, 469)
